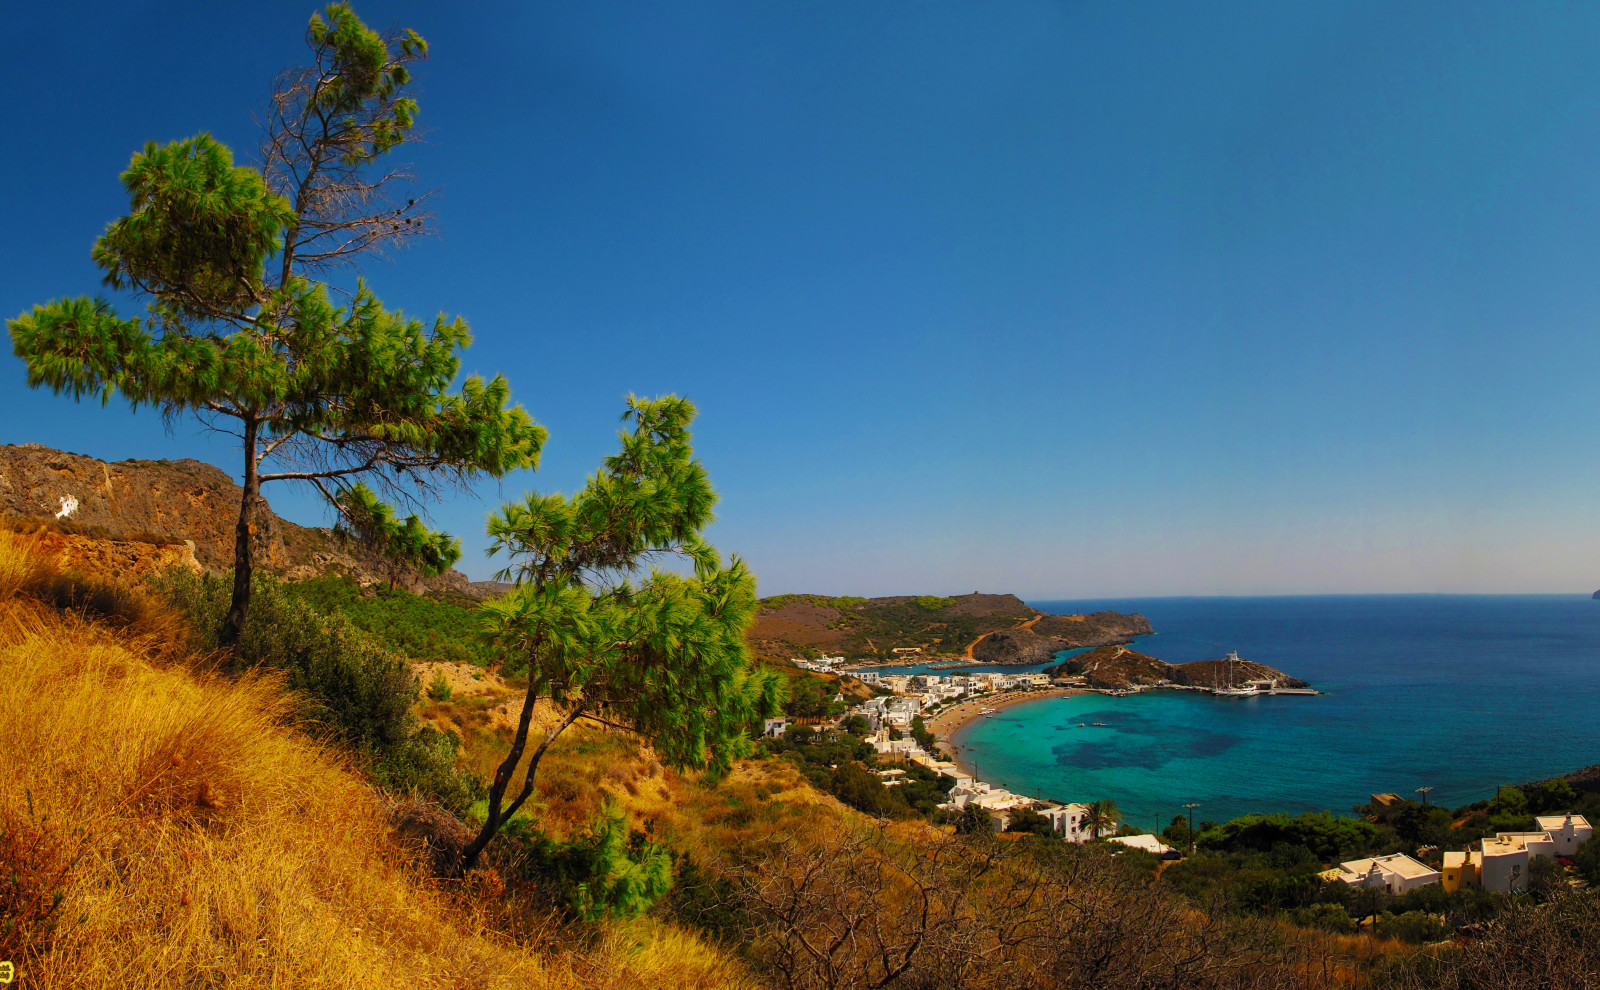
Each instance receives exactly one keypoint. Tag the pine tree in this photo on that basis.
(406, 548)
(663, 656)
(242, 330)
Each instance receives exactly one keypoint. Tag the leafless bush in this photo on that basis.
(872, 910)
(1551, 946)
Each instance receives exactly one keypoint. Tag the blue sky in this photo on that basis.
(1065, 299)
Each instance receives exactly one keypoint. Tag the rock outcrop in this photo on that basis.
(1117, 667)
(177, 502)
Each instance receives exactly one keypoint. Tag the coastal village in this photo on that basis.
(950, 700)
(1500, 864)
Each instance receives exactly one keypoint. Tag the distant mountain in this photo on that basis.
(178, 501)
(998, 629)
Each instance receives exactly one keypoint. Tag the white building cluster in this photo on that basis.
(1501, 863)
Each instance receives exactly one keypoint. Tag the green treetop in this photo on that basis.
(242, 330)
(661, 654)
(407, 547)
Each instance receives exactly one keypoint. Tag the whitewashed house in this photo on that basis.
(1396, 873)
(1069, 822)
(1568, 832)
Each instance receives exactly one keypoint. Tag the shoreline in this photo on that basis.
(946, 723)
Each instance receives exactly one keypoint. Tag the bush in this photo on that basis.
(416, 626)
(439, 687)
(1028, 820)
(1325, 917)
(1413, 926)
(356, 691)
(610, 872)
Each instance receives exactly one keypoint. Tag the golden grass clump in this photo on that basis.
(164, 827)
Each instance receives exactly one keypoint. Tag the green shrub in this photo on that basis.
(1326, 917)
(416, 626)
(355, 691)
(609, 872)
(439, 687)
(1413, 926)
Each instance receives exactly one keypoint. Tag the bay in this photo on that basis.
(1461, 693)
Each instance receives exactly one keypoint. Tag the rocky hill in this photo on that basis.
(178, 501)
(995, 628)
(1116, 667)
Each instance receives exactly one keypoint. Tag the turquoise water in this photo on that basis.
(1461, 693)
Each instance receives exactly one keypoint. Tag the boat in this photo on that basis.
(1101, 724)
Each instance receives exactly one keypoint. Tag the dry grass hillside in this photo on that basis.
(165, 826)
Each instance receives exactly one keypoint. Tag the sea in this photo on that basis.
(1456, 693)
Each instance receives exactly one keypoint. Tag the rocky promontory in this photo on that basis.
(1114, 667)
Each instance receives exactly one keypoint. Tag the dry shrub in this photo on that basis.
(35, 858)
(196, 839)
(147, 623)
(219, 846)
(18, 567)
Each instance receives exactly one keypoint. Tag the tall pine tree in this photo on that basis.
(242, 329)
(659, 653)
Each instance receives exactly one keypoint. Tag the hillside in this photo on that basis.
(1116, 667)
(996, 628)
(184, 500)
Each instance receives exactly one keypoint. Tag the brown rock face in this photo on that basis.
(183, 500)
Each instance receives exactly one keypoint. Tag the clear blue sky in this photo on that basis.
(1066, 299)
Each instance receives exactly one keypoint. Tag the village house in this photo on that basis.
(1501, 864)
(1397, 873)
(982, 795)
(1068, 820)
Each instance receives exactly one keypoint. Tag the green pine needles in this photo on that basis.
(242, 329)
(661, 653)
(407, 547)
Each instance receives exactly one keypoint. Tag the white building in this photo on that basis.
(1501, 863)
(1568, 832)
(981, 794)
(1396, 873)
(902, 748)
(1069, 821)
(774, 727)
(1148, 843)
(900, 711)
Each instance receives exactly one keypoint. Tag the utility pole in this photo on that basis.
(1191, 806)
(1424, 792)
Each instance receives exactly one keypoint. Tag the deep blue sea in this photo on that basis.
(1460, 693)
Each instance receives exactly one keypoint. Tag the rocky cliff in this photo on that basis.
(178, 501)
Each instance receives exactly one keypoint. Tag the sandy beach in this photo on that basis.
(948, 721)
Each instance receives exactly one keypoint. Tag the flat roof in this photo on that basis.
(1554, 823)
(1398, 863)
(1148, 843)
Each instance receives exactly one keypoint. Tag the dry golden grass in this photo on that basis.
(194, 838)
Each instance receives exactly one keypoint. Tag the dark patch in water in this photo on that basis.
(1157, 743)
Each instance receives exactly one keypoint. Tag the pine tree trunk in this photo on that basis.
(239, 609)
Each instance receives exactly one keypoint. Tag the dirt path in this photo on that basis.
(1021, 624)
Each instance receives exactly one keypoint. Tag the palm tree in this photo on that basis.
(1102, 818)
